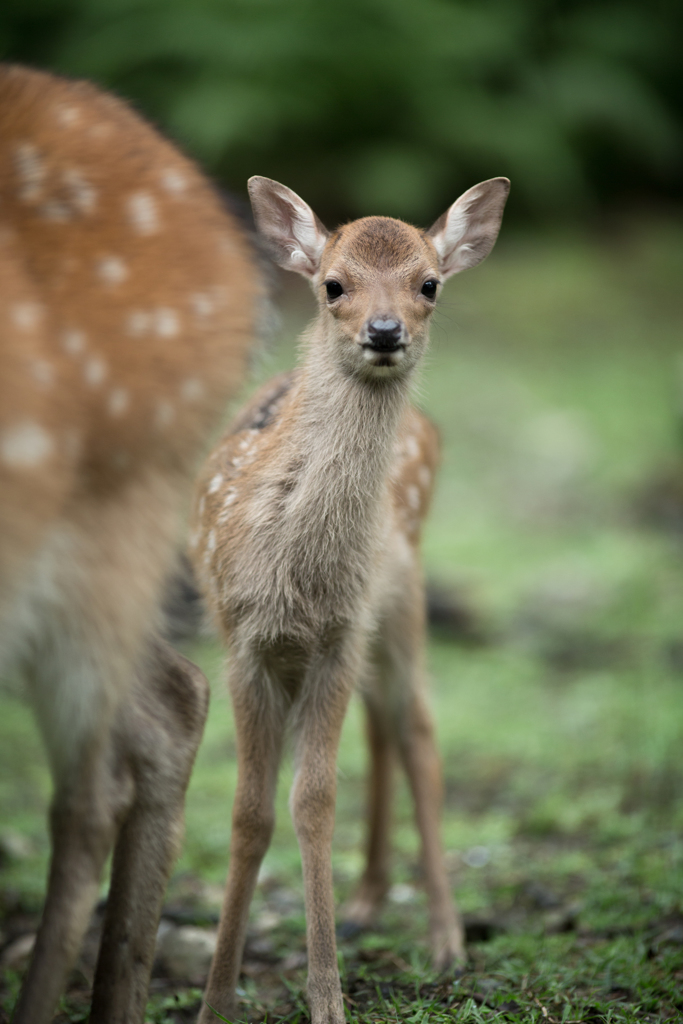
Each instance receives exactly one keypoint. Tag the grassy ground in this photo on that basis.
(556, 380)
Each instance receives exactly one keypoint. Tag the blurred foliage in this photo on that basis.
(392, 106)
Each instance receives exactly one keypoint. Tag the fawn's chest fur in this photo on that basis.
(320, 484)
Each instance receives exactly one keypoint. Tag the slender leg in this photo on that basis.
(259, 727)
(398, 696)
(372, 888)
(323, 706)
(88, 805)
(160, 731)
(421, 762)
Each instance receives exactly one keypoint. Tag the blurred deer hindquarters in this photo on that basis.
(305, 535)
(128, 296)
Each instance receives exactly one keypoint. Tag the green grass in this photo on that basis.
(555, 378)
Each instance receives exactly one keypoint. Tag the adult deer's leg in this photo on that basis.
(259, 725)
(92, 792)
(159, 732)
(321, 709)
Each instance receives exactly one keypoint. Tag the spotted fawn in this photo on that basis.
(305, 538)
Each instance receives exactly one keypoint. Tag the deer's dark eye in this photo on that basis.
(334, 289)
(429, 288)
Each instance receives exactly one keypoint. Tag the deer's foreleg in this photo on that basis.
(321, 711)
(259, 725)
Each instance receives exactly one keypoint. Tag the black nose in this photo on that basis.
(385, 335)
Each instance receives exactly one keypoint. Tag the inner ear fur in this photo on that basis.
(293, 233)
(465, 234)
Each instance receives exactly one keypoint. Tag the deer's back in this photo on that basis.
(136, 290)
(127, 297)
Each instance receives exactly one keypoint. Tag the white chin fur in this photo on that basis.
(383, 359)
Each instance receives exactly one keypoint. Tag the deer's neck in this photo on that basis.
(341, 445)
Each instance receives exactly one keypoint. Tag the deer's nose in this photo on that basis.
(384, 334)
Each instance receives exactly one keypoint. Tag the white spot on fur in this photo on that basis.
(193, 539)
(211, 541)
(43, 372)
(27, 315)
(173, 181)
(166, 322)
(25, 445)
(164, 414)
(73, 341)
(138, 323)
(230, 498)
(112, 270)
(30, 171)
(95, 371)
(413, 497)
(141, 209)
(412, 447)
(67, 116)
(192, 390)
(424, 476)
(202, 304)
(82, 194)
(215, 484)
(118, 402)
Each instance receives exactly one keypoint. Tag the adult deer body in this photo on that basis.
(307, 521)
(126, 303)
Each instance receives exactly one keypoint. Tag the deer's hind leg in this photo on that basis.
(158, 734)
(93, 791)
(400, 723)
(362, 909)
(122, 782)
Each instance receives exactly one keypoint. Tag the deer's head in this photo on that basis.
(377, 279)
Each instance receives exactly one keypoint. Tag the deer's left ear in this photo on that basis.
(465, 234)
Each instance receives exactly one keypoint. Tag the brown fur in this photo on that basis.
(304, 537)
(128, 299)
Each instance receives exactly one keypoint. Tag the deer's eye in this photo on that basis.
(334, 290)
(429, 288)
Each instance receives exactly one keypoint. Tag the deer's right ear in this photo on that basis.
(295, 236)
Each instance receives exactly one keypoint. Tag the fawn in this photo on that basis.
(128, 300)
(304, 536)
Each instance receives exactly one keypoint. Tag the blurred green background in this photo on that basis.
(557, 380)
(393, 106)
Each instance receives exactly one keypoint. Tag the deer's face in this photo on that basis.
(376, 288)
(377, 279)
